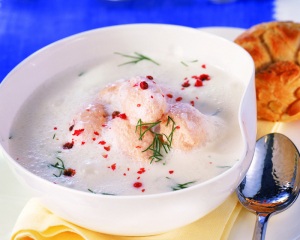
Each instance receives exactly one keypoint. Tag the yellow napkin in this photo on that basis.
(265, 127)
(36, 222)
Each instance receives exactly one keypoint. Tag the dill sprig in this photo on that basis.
(216, 113)
(139, 57)
(140, 124)
(60, 166)
(182, 186)
(170, 138)
(100, 193)
(54, 135)
(224, 166)
(184, 63)
(91, 191)
(157, 145)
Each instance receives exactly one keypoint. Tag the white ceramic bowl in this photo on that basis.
(130, 215)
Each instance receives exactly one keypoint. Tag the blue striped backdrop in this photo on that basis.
(28, 25)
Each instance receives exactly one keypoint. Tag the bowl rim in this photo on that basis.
(156, 195)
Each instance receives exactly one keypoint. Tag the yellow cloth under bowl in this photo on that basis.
(36, 222)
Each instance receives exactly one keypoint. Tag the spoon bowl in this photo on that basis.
(272, 182)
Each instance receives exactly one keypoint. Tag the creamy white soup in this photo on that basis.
(47, 139)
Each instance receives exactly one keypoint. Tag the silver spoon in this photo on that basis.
(272, 182)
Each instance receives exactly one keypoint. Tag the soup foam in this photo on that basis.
(41, 128)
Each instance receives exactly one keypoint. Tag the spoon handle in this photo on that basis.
(261, 226)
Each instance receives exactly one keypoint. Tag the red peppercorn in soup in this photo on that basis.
(131, 128)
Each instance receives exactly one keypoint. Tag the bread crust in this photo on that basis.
(274, 47)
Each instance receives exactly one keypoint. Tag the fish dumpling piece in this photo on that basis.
(88, 123)
(110, 92)
(129, 141)
(192, 127)
(142, 99)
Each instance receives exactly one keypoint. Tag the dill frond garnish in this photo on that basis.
(80, 74)
(60, 166)
(224, 166)
(139, 57)
(140, 124)
(184, 63)
(100, 193)
(216, 113)
(158, 144)
(54, 135)
(10, 137)
(91, 191)
(155, 147)
(170, 138)
(182, 186)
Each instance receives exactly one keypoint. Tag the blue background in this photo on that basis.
(28, 25)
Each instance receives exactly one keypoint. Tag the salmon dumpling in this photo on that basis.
(87, 124)
(142, 99)
(129, 141)
(110, 92)
(191, 126)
